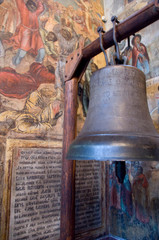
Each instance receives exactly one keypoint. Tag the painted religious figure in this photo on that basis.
(41, 112)
(140, 194)
(36, 36)
(130, 206)
(121, 194)
(137, 55)
(27, 37)
(140, 58)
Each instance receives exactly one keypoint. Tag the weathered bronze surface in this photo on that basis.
(118, 125)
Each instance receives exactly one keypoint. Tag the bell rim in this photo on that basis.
(114, 148)
(120, 135)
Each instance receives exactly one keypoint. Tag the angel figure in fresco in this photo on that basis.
(140, 58)
(27, 37)
(41, 112)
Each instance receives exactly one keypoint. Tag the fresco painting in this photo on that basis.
(153, 100)
(133, 210)
(140, 58)
(134, 53)
(35, 39)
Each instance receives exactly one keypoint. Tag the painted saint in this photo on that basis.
(140, 58)
(27, 37)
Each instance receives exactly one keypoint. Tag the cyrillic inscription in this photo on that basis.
(36, 191)
(35, 198)
(88, 207)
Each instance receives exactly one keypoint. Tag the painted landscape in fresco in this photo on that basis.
(35, 39)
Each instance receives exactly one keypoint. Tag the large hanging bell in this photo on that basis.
(118, 125)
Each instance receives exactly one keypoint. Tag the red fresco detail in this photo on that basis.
(27, 36)
(16, 85)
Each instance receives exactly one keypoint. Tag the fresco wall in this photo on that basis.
(36, 37)
(134, 205)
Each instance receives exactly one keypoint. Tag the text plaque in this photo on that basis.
(35, 195)
(88, 196)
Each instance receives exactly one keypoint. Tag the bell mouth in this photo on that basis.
(114, 148)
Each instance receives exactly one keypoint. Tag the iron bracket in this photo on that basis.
(75, 65)
(72, 62)
(101, 31)
(118, 59)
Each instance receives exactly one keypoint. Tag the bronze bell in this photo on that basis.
(118, 125)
